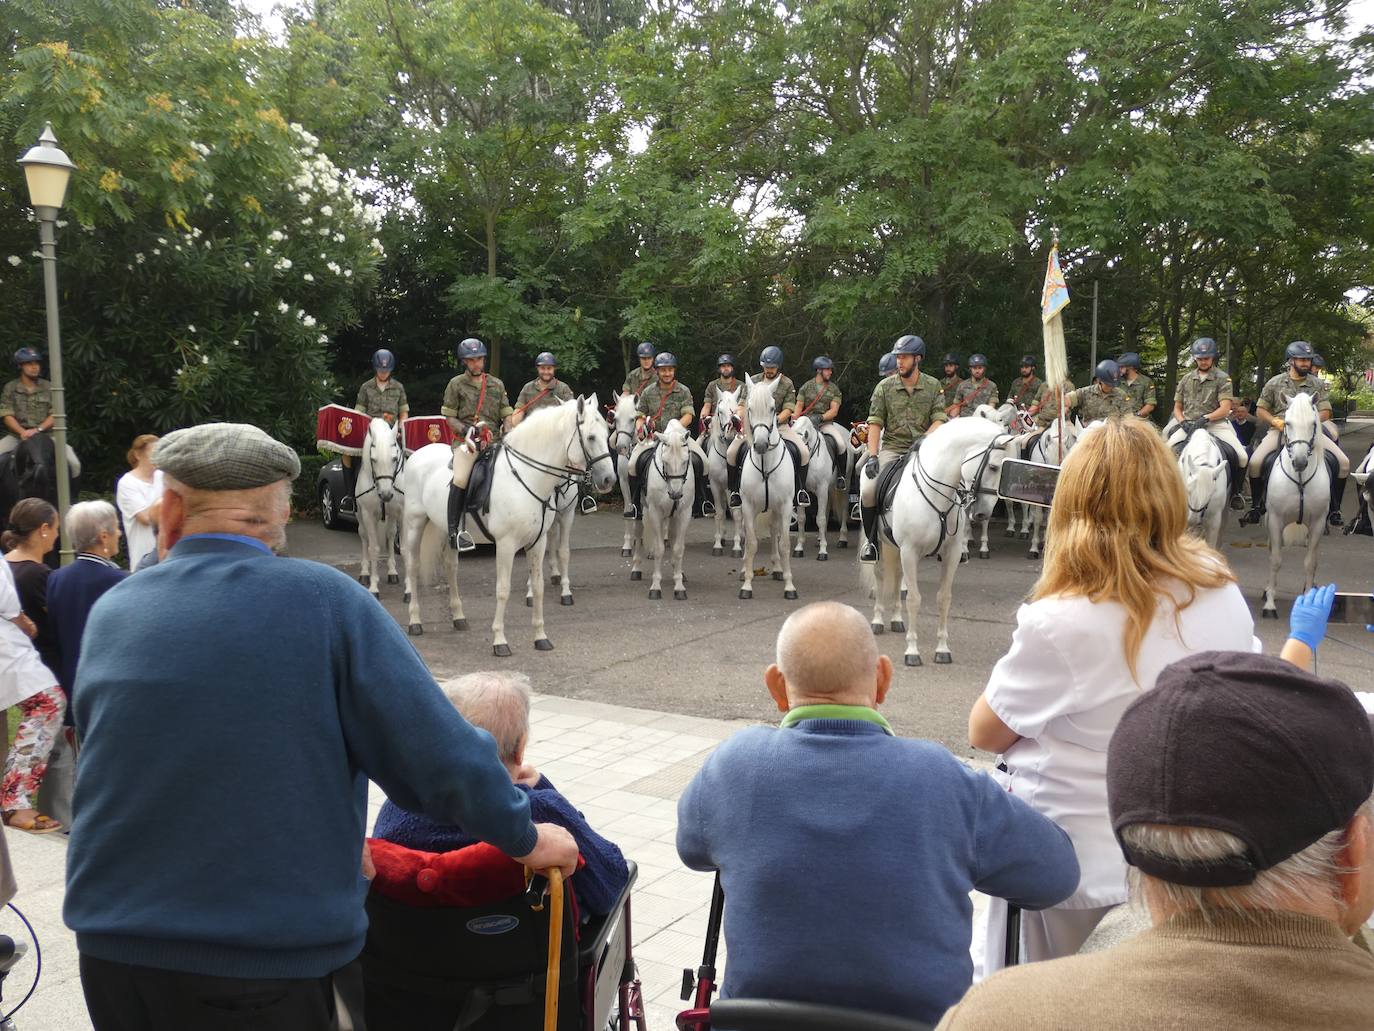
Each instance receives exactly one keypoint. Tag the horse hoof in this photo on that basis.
(392, 578)
(1269, 613)
(943, 658)
(798, 553)
(556, 578)
(745, 594)
(679, 596)
(898, 626)
(1008, 532)
(822, 557)
(777, 574)
(717, 551)
(415, 630)
(365, 580)
(903, 594)
(878, 628)
(789, 595)
(737, 553)
(567, 599)
(912, 660)
(982, 554)
(405, 598)
(636, 574)
(655, 595)
(543, 645)
(1032, 554)
(963, 557)
(841, 544)
(501, 651)
(1023, 535)
(529, 602)
(625, 553)
(460, 624)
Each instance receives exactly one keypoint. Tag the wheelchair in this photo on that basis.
(490, 966)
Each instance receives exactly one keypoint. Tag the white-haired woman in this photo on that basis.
(499, 703)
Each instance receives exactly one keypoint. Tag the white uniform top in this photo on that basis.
(134, 496)
(1063, 687)
(22, 673)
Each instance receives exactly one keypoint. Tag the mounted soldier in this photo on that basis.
(381, 396)
(819, 400)
(1027, 389)
(1202, 400)
(26, 406)
(544, 391)
(1136, 385)
(904, 407)
(477, 409)
(661, 402)
(858, 436)
(726, 381)
(974, 391)
(1298, 378)
(784, 403)
(640, 378)
(949, 385)
(1102, 398)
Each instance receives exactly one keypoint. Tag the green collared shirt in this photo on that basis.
(375, 400)
(970, 394)
(784, 393)
(1201, 393)
(905, 414)
(1281, 389)
(637, 380)
(1141, 392)
(1025, 390)
(463, 393)
(662, 408)
(814, 399)
(948, 386)
(1093, 404)
(29, 407)
(719, 386)
(835, 712)
(534, 395)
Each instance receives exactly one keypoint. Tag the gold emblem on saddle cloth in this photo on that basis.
(345, 426)
(434, 433)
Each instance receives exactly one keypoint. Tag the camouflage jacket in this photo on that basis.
(1141, 392)
(948, 386)
(1201, 393)
(29, 407)
(1025, 390)
(905, 414)
(715, 388)
(461, 397)
(1281, 389)
(784, 393)
(661, 409)
(637, 380)
(530, 399)
(1091, 404)
(1049, 404)
(970, 395)
(814, 399)
(375, 402)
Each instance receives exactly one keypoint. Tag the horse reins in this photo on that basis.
(1299, 481)
(566, 474)
(396, 471)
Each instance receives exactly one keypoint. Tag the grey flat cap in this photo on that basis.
(225, 456)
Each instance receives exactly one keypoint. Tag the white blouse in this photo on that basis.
(1064, 685)
(133, 496)
(22, 673)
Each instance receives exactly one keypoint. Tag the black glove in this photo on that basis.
(871, 468)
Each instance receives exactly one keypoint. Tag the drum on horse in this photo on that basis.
(821, 484)
(1048, 450)
(725, 426)
(926, 502)
(1206, 480)
(1297, 496)
(547, 450)
(380, 502)
(622, 415)
(767, 487)
(669, 492)
(30, 471)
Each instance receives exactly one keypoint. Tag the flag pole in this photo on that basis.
(1054, 298)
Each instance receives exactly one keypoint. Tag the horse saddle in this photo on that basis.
(793, 450)
(480, 480)
(885, 490)
(833, 446)
(641, 468)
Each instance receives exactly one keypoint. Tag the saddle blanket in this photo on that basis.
(419, 430)
(340, 430)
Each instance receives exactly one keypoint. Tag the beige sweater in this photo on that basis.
(1285, 971)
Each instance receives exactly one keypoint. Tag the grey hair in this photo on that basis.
(1312, 873)
(86, 520)
(499, 703)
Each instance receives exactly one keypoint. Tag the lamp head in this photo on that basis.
(48, 170)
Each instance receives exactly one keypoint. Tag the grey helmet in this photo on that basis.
(1299, 349)
(644, 350)
(822, 361)
(545, 358)
(1204, 347)
(887, 364)
(1029, 359)
(910, 344)
(1318, 362)
(978, 359)
(27, 354)
(771, 358)
(471, 348)
(1107, 371)
(951, 359)
(383, 360)
(725, 359)
(1129, 360)
(665, 360)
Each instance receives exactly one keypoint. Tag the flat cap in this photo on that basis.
(225, 456)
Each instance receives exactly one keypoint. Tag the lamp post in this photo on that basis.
(48, 171)
(1229, 291)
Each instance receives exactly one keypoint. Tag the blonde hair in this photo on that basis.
(1118, 529)
(140, 442)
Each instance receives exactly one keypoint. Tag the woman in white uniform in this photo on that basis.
(139, 497)
(1125, 591)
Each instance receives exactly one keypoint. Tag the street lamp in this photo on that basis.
(48, 171)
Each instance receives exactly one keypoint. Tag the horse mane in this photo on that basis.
(540, 420)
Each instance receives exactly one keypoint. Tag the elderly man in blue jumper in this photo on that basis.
(847, 854)
(232, 707)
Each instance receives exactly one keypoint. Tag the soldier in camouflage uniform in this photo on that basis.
(949, 386)
(476, 401)
(641, 377)
(379, 397)
(661, 402)
(974, 391)
(1026, 389)
(726, 382)
(544, 391)
(819, 400)
(1102, 398)
(784, 404)
(1298, 378)
(26, 406)
(904, 407)
(1202, 400)
(1136, 385)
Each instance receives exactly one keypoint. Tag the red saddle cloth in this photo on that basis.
(341, 430)
(419, 430)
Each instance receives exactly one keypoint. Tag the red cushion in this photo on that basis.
(474, 876)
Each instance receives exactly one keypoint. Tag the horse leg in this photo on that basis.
(627, 545)
(783, 531)
(365, 569)
(679, 536)
(822, 522)
(887, 574)
(653, 545)
(908, 557)
(1315, 531)
(1269, 609)
(505, 558)
(412, 529)
(535, 555)
(838, 502)
(564, 580)
(636, 540)
(983, 540)
(1036, 533)
(388, 539)
(751, 547)
(944, 598)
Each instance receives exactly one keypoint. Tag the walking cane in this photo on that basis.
(1012, 955)
(553, 881)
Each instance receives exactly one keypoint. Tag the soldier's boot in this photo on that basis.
(1333, 517)
(708, 507)
(349, 503)
(733, 472)
(636, 497)
(868, 516)
(1252, 517)
(458, 538)
(799, 478)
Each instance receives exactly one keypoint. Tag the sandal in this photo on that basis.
(40, 824)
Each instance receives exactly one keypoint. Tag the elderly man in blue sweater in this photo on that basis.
(232, 707)
(847, 854)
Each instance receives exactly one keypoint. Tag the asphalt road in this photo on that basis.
(705, 656)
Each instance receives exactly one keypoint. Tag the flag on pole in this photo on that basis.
(1054, 298)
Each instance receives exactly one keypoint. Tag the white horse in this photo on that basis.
(1363, 475)
(767, 487)
(549, 448)
(948, 483)
(1204, 469)
(1298, 495)
(623, 443)
(669, 491)
(380, 502)
(1019, 421)
(559, 545)
(726, 424)
(820, 483)
(1047, 449)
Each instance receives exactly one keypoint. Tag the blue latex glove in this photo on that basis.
(1370, 626)
(1307, 621)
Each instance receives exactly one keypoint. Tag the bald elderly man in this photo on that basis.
(847, 854)
(232, 707)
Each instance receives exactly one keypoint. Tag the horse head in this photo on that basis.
(1202, 467)
(673, 458)
(590, 446)
(383, 457)
(725, 420)
(982, 471)
(763, 419)
(1300, 431)
(623, 420)
(806, 428)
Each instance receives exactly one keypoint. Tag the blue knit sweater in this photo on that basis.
(233, 706)
(847, 856)
(597, 885)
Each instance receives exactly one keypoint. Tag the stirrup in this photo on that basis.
(734, 500)
(868, 554)
(587, 504)
(1251, 518)
(461, 541)
(1335, 519)
(1237, 503)
(348, 505)
(841, 484)
(803, 497)
(708, 507)
(629, 510)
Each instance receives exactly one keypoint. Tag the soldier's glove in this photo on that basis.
(871, 468)
(1277, 424)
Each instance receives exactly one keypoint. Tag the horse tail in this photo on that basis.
(432, 554)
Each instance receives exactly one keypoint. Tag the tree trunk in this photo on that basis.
(493, 345)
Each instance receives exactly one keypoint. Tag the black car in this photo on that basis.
(336, 506)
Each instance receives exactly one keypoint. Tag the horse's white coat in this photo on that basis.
(767, 488)
(623, 443)
(669, 491)
(726, 424)
(820, 483)
(1047, 450)
(380, 506)
(1204, 480)
(1298, 484)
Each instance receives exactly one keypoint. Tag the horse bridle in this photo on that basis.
(670, 478)
(1300, 481)
(958, 495)
(566, 473)
(397, 468)
(1201, 513)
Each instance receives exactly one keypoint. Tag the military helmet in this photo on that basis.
(725, 359)
(887, 364)
(1029, 359)
(1300, 349)
(1107, 371)
(1204, 347)
(1129, 360)
(822, 361)
(545, 358)
(951, 359)
(472, 348)
(383, 360)
(910, 344)
(27, 354)
(978, 359)
(644, 350)
(1318, 362)
(665, 360)
(771, 358)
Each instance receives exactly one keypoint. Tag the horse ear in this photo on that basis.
(581, 404)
